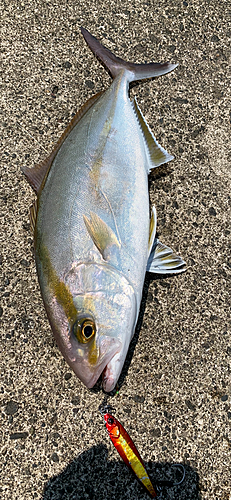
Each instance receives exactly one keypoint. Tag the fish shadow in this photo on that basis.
(92, 476)
(98, 386)
(156, 174)
(148, 279)
(137, 332)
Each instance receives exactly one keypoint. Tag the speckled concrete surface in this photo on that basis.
(176, 391)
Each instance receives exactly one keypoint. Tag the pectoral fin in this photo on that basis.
(163, 260)
(101, 234)
(157, 154)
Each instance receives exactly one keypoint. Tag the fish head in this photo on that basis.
(94, 322)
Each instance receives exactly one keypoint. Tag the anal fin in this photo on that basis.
(37, 175)
(33, 215)
(157, 154)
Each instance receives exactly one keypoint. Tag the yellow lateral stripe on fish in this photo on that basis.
(127, 450)
(58, 287)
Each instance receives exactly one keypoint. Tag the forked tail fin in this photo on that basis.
(116, 64)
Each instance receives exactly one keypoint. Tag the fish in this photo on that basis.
(94, 237)
(128, 452)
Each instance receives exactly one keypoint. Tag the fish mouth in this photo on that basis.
(102, 367)
(112, 372)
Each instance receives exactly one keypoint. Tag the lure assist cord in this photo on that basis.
(130, 455)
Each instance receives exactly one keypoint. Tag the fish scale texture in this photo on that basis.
(175, 395)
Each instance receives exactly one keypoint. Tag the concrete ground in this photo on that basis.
(175, 393)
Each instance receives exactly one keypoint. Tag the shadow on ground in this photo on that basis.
(98, 386)
(92, 476)
(160, 172)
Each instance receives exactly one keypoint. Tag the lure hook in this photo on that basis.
(171, 484)
(183, 477)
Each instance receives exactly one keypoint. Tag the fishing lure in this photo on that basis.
(130, 455)
(127, 450)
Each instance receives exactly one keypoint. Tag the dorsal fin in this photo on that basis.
(36, 175)
(157, 154)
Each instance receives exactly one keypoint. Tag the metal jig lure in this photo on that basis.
(130, 455)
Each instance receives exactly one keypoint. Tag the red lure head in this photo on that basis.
(112, 425)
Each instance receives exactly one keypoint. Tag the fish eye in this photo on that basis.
(88, 329)
(110, 420)
(84, 329)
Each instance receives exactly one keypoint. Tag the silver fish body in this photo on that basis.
(92, 230)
